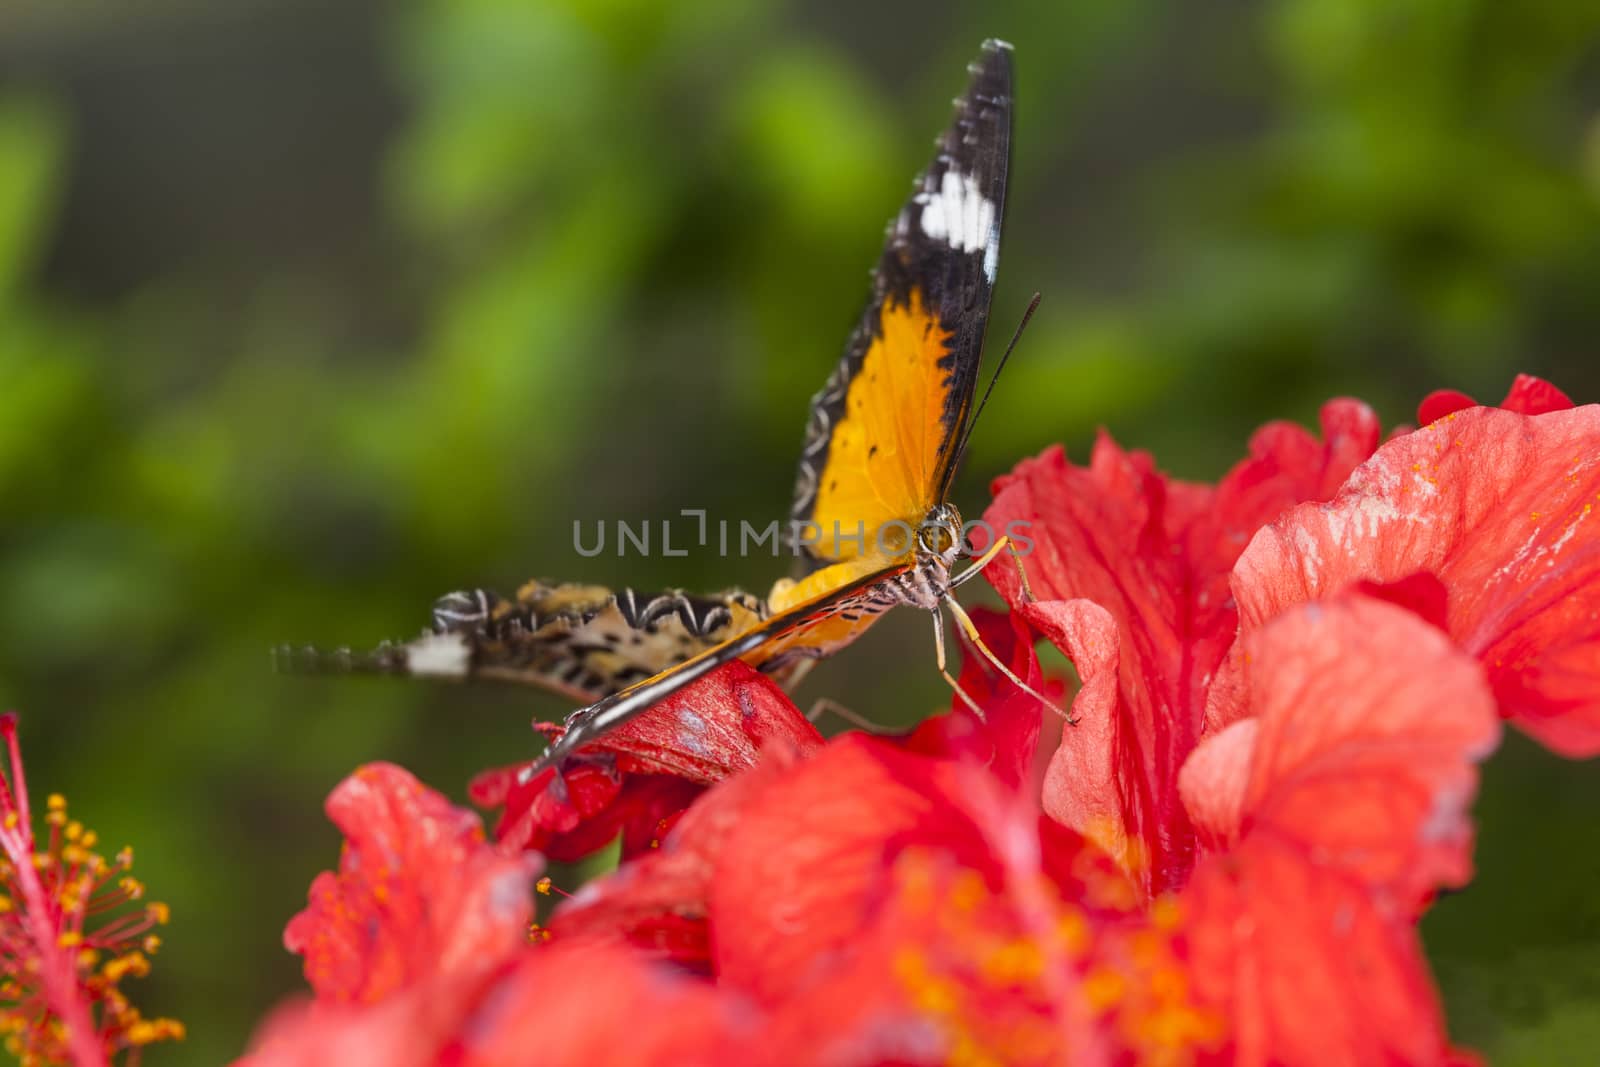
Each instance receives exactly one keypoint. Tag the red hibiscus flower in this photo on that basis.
(1155, 579)
(869, 904)
(1287, 680)
(1139, 564)
(418, 951)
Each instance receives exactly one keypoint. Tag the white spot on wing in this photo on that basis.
(962, 217)
(439, 656)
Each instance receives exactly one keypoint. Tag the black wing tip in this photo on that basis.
(992, 68)
(986, 102)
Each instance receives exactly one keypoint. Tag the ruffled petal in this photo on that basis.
(1155, 554)
(1337, 805)
(1502, 508)
(419, 893)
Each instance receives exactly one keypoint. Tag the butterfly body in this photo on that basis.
(883, 439)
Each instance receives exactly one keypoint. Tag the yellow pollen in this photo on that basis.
(1103, 988)
(1014, 963)
(133, 963)
(542, 886)
(159, 912)
(56, 802)
(146, 1031)
(70, 939)
(968, 892)
(1169, 984)
(1074, 933)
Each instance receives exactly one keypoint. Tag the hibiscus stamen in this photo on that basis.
(545, 887)
(60, 967)
(1000, 990)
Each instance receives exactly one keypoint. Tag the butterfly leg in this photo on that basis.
(824, 706)
(791, 677)
(1002, 543)
(1022, 573)
(938, 649)
(970, 628)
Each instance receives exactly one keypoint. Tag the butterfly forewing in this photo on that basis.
(884, 430)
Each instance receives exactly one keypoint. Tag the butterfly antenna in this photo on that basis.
(1027, 316)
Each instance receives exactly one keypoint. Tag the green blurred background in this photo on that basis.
(310, 312)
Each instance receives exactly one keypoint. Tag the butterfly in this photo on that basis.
(883, 440)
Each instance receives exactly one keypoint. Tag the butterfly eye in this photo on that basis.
(935, 539)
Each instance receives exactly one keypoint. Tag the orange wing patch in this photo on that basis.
(885, 456)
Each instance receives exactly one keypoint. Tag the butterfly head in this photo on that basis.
(941, 541)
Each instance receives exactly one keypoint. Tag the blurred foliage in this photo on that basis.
(311, 312)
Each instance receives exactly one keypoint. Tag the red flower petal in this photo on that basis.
(1502, 508)
(1421, 594)
(1341, 802)
(587, 1004)
(1214, 781)
(1441, 402)
(552, 1005)
(1305, 965)
(1083, 785)
(646, 771)
(407, 1029)
(584, 810)
(418, 893)
(1535, 396)
(659, 901)
(1361, 757)
(711, 729)
(1528, 396)
(797, 870)
(556, 816)
(1156, 555)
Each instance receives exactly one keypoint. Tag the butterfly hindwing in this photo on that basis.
(582, 641)
(885, 429)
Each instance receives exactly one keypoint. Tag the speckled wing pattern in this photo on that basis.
(585, 642)
(885, 430)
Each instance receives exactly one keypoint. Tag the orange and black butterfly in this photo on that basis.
(881, 448)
